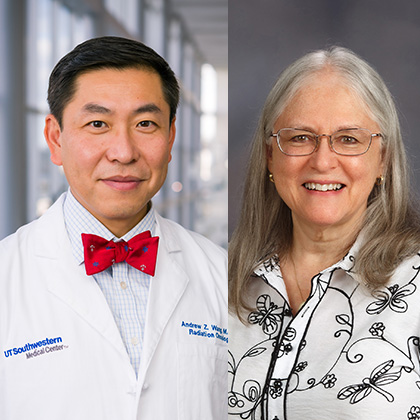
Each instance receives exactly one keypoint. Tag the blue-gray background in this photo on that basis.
(266, 36)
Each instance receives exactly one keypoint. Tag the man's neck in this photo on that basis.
(118, 227)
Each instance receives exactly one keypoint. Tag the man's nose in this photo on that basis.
(123, 147)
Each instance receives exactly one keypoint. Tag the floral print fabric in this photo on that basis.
(347, 354)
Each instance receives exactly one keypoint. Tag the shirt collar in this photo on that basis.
(79, 220)
(270, 269)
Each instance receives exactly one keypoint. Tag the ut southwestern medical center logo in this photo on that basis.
(38, 348)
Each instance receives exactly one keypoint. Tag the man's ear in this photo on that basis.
(52, 134)
(172, 132)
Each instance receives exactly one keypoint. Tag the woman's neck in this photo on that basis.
(312, 251)
(321, 247)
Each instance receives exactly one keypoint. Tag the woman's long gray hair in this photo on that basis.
(391, 230)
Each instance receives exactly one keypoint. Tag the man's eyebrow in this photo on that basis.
(92, 108)
(153, 108)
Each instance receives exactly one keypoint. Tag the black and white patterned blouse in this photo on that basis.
(347, 354)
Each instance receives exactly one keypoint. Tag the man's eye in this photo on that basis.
(97, 124)
(146, 124)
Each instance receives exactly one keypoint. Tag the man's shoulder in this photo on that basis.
(183, 237)
(20, 236)
(37, 230)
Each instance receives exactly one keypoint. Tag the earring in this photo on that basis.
(270, 176)
(380, 180)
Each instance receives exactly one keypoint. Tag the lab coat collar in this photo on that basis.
(166, 290)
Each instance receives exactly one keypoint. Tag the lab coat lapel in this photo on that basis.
(167, 288)
(68, 281)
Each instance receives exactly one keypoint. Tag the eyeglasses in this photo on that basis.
(348, 142)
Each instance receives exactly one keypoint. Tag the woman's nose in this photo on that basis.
(324, 157)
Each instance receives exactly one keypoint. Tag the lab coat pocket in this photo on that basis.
(202, 381)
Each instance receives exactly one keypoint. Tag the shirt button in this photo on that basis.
(134, 341)
(123, 285)
(132, 390)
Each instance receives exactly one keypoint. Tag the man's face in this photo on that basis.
(115, 144)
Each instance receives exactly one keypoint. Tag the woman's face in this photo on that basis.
(325, 105)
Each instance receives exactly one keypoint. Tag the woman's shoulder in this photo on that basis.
(407, 270)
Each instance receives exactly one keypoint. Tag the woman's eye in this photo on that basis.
(300, 139)
(349, 140)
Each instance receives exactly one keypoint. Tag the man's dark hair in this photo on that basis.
(107, 52)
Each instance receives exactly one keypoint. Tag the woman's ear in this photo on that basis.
(382, 163)
(52, 134)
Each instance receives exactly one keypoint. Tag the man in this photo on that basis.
(91, 326)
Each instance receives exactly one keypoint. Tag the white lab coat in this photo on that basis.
(62, 356)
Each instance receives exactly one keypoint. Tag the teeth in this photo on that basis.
(323, 187)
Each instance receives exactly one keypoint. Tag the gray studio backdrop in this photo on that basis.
(266, 36)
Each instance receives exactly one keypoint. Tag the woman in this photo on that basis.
(324, 286)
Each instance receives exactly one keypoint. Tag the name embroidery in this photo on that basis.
(207, 331)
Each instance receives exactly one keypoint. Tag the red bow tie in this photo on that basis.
(140, 252)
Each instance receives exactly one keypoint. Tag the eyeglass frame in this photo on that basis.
(317, 141)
